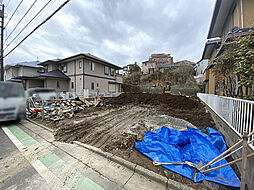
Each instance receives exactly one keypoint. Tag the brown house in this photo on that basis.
(155, 62)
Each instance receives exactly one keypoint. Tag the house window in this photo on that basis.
(72, 84)
(106, 70)
(92, 86)
(97, 84)
(112, 71)
(57, 84)
(80, 64)
(92, 66)
(64, 68)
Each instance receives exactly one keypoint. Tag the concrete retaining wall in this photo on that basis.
(231, 138)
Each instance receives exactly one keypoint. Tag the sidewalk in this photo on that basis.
(79, 166)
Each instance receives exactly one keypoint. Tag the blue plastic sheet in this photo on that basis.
(173, 146)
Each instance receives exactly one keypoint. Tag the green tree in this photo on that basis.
(235, 66)
(244, 64)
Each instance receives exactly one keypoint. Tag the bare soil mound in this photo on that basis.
(188, 108)
(174, 101)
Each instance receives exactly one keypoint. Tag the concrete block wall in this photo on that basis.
(231, 138)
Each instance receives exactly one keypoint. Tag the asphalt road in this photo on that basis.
(30, 158)
(16, 171)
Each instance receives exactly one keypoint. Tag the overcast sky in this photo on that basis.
(119, 31)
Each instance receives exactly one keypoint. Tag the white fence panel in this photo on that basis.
(237, 113)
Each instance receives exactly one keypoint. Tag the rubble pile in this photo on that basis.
(61, 109)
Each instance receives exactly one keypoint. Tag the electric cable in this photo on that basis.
(37, 27)
(21, 19)
(29, 22)
(13, 11)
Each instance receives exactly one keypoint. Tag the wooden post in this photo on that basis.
(244, 162)
(42, 111)
(222, 154)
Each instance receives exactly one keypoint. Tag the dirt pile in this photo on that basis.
(188, 108)
(174, 101)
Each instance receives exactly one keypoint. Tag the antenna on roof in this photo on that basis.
(37, 55)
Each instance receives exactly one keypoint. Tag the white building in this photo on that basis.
(200, 69)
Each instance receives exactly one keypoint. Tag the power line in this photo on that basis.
(29, 23)
(38, 27)
(21, 19)
(44, 10)
(13, 12)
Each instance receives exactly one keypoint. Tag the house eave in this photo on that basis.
(209, 47)
(221, 10)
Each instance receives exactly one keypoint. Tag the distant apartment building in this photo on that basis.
(155, 62)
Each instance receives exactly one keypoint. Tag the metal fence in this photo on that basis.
(237, 113)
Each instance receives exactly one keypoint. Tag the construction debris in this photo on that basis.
(57, 109)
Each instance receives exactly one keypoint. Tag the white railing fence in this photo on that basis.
(237, 113)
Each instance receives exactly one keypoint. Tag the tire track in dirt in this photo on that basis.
(102, 139)
(106, 126)
(70, 132)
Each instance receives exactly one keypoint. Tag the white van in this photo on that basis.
(12, 101)
(44, 93)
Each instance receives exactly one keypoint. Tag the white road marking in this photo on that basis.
(50, 178)
(14, 139)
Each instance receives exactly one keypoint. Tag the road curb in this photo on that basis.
(135, 167)
(40, 125)
(107, 155)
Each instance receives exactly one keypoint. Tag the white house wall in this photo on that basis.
(11, 73)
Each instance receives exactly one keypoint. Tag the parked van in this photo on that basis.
(12, 101)
(44, 93)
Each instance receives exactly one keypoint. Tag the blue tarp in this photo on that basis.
(173, 146)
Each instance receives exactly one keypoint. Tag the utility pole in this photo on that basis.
(2, 42)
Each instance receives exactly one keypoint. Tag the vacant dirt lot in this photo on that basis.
(115, 128)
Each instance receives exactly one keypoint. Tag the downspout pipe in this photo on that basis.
(241, 2)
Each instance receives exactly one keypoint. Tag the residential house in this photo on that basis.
(231, 18)
(21, 69)
(155, 62)
(163, 68)
(32, 75)
(184, 63)
(87, 72)
(199, 70)
(130, 69)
